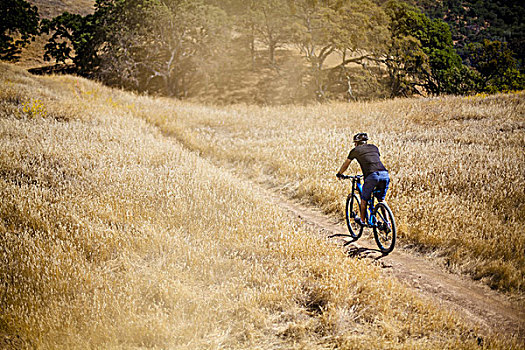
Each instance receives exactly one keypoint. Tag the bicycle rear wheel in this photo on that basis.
(384, 228)
(352, 210)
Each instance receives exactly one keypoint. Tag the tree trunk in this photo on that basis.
(252, 46)
(271, 49)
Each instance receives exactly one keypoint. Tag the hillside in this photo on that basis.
(32, 55)
(474, 21)
(49, 9)
(116, 235)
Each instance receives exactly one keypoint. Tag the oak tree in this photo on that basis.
(18, 25)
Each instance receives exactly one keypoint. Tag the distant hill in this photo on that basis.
(476, 20)
(52, 8)
(32, 55)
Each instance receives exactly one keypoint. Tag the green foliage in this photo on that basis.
(79, 38)
(489, 36)
(496, 65)
(68, 28)
(320, 28)
(148, 45)
(272, 51)
(406, 61)
(421, 54)
(169, 47)
(476, 21)
(18, 25)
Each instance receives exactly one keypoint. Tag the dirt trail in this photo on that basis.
(481, 305)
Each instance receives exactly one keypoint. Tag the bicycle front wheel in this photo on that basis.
(384, 228)
(352, 210)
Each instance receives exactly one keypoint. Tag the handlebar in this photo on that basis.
(346, 177)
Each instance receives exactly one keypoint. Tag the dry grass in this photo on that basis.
(114, 236)
(457, 166)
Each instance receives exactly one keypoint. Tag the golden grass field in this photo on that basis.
(116, 236)
(457, 166)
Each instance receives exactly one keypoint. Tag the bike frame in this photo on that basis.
(357, 186)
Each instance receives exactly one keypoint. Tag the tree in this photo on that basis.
(405, 60)
(75, 38)
(147, 45)
(354, 29)
(421, 53)
(177, 43)
(496, 65)
(270, 20)
(18, 26)
(260, 23)
(124, 42)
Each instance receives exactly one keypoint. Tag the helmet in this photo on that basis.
(361, 137)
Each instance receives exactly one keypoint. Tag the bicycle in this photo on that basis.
(379, 217)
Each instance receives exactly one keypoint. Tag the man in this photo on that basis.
(374, 172)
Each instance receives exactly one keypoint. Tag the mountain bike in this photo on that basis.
(379, 217)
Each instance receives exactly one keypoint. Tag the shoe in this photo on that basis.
(359, 222)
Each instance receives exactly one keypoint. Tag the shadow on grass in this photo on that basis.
(359, 252)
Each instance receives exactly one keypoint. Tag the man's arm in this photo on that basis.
(344, 166)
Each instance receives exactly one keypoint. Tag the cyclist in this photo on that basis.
(374, 172)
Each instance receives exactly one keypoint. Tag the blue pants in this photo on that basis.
(378, 180)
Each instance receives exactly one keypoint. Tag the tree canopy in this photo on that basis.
(498, 69)
(18, 25)
(276, 51)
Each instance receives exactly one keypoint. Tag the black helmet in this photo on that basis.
(361, 137)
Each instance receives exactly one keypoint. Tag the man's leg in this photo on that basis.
(363, 211)
(368, 187)
(383, 185)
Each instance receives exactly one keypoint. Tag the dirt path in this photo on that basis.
(489, 309)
